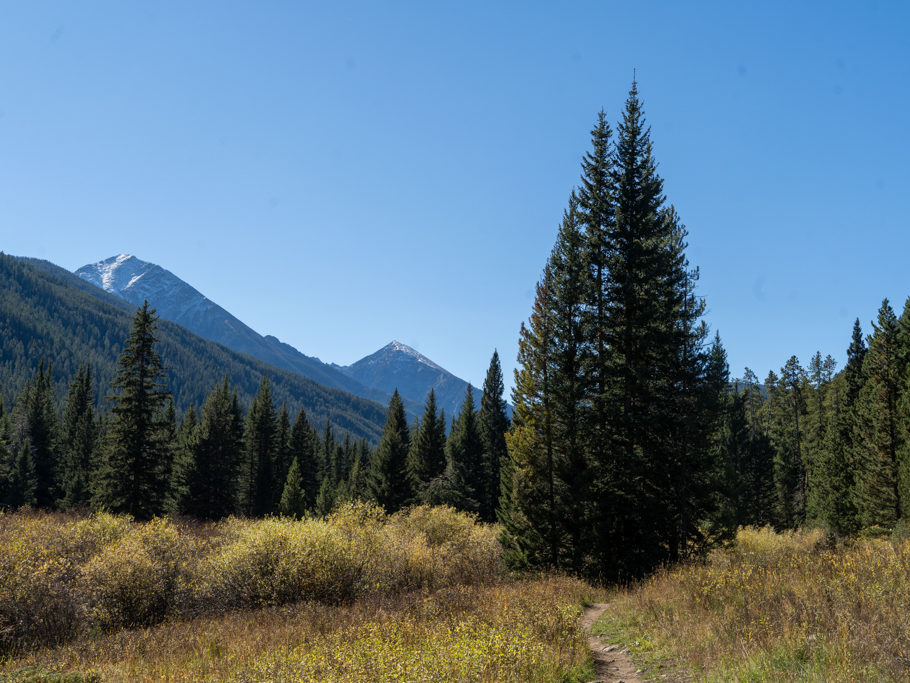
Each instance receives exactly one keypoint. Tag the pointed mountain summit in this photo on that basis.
(397, 365)
(136, 281)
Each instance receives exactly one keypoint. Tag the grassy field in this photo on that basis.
(774, 607)
(359, 596)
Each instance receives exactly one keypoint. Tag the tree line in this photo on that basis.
(824, 448)
(138, 458)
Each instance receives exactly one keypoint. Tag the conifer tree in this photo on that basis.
(293, 503)
(283, 457)
(134, 475)
(493, 423)
(260, 444)
(211, 474)
(302, 448)
(756, 494)
(427, 457)
(35, 420)
(616, 398)
(877, 438)
(788, 437)
(6, 456)
(388, 481)
(79, 441)
(184, 460)
(23, 480)
(464, 459)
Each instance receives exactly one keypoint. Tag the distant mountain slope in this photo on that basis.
(397, 365)
(137, 281)
(47, 312)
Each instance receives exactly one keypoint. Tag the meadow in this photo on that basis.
(419, 595)
(774, 607)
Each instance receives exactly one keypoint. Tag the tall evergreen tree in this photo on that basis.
(283, 457)
(493, 423)
(615, 401)
(877, 438)
(427, 457)
(79, 441)
(788, 436)
(302, 448)
(134, 476)
(388, 481)
(35, 420)
(257, 482)
(184, 450)
(464, 474)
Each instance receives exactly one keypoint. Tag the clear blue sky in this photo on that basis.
(341, 174)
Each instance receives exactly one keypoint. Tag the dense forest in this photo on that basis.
(629, 447)
(133, 455)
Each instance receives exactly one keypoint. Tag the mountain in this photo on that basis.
(136, 281)
(48, 313)
(397, 365)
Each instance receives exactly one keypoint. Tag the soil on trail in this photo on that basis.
(611, 662)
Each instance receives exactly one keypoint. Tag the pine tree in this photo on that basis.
(427, 457)
(211, 475)
(388, 481)
(185, 446)
(293, 503)
(79, 441)
(283, 457)
(756, 494)
(788, 437)
(35, 420)
(260, 444)
(302, 448)
(134, 476)
(877, 438)
(493, 423)
(617, 398)
(23, 480)
(464, 474)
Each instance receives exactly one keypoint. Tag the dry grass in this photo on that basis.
(777, 607)
(526, 631)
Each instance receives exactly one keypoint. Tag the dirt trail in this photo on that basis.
(611, 662)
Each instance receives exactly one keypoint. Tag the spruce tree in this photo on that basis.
(388, 481)
(35, 420)
(302, 448)
(211, 475)
(184, 460)
(493, 423)
(293, 503)
(427, 457)
(260, 445)
(877, 437)
(788, 437)
(283, 457)
(79, 441)
(134, 475)
(616, 398)
(464, 475)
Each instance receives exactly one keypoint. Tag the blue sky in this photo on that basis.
(343, 174)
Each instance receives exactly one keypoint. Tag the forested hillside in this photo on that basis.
(47, 313)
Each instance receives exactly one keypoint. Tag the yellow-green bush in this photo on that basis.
(135, 580)
(37, 604)
(61, 575)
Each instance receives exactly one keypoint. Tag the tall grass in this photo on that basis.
(778, 607)
(515, 631)
(63, 576)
